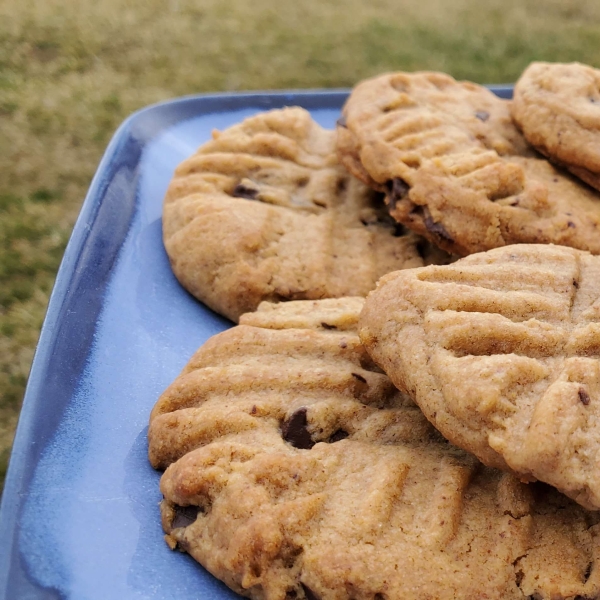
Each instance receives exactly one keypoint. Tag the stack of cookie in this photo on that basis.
(334, 447)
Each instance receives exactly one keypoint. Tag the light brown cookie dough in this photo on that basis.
(295, 470)
(264, 211)
(466, 184)
(501, 351)
(557, 106)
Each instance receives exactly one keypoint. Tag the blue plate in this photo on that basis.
(79, 517)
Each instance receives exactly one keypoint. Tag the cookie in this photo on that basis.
(503, 358)
(557, 106)
(264, 211)
(466, 184)
(295, 470)
(392, 123)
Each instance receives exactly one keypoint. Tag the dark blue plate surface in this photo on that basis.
(79, 517)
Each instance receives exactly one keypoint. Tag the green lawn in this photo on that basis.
(70, 71)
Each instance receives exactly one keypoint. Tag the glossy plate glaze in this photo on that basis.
(79, 517)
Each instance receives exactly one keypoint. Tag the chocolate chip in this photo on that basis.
(243, 191)
(437, 229)
(575, 284)
(184, 515)
(571, 224)
(328, 326)
(295, 431)
(397, 189)
(519, 576)
(482, 115)
(588, 572)
(359, 377)
(399, 230)
(338, 435)
(422, 248)
(253, 410)
(584, 396)
(378, 198)
(310, 595)
(341, 122)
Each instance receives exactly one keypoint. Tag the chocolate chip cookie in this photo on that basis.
(456, 170)
(501, 350)
(557, 106)
(294, 469)
(264, 211)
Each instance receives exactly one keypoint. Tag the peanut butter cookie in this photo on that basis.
(557, 106)
(294, 469)
(265, 212)
(456, 170)
(501, 350)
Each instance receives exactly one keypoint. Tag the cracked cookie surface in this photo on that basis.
(264, 211)
(466, 183)
(557, 106)
(294, 469)
(504, 358)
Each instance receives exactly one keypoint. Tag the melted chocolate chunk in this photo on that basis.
(328, 326)
(399, 230)
(584, 396)
(422, 248)
(338, 435)
(571, 224)
(482, 115)
(397, 189)
(243, 191)
(341, 122)
(379, 198)
(184, 515)
(310, 595)
(295, 431)
(437, 229)
(588, 572)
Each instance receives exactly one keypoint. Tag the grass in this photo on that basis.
(71, 71)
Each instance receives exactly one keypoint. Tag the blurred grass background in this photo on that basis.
(71, 71)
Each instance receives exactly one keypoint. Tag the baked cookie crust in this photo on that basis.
(557, 106)
(294, 469)
(503, 358)
(264, 211)
(456, 170)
